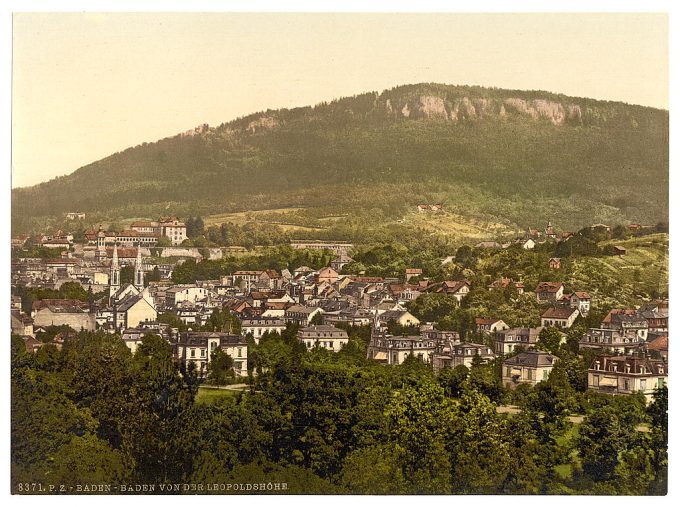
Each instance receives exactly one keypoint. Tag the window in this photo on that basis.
(596, 380)
(643, 384)
(530, 374)
(193, 352)
(626, 384)
(545, 374)
(508, 371)
(202, 352)
(660, 383)
(240, 352)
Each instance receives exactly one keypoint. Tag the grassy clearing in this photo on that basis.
(451, 224)
(209, 395)
(243, 217)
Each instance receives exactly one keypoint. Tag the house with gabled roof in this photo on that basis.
(490, 325)
(555, 263)
(456, 288)
(560, 316)
(550, 231)
(21, 323)
(581, 301)
(134, 309)
(403, 318)
(658, 346)
(301, 315)
(341, 261)
(549, 292)
(504, 283)
(327, 275)
(412, 272)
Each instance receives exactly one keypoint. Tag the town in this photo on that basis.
(632, 342)
(488, 308)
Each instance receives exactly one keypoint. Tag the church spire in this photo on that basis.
(114, 275)
(139, 272)
(114, 262)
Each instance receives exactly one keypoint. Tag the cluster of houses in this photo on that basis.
(632, 344)
(533, 236)
(142, 233)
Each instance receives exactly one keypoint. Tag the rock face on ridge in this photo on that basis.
(465, 108)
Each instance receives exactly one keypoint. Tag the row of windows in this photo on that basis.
(327, 345)
(626, 383)
(192, 352)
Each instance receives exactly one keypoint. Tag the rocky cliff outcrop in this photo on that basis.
(466, 108)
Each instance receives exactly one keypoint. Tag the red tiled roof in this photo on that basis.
(660, 343)
(485, 322)
(558, 313)
(548, 286)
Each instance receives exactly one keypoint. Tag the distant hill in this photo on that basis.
(510, 157)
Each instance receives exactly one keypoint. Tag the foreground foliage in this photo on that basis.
(321, 422)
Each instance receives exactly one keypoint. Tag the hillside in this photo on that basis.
(500, 159)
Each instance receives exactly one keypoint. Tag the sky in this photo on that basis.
(85, 86)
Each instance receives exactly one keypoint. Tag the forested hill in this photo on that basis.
(521, 157)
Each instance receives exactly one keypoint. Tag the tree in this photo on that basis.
(153, 276)
(452, 380)
(549, 339)
(127, 274)
(421, 421)
(163, 241)
(601, 439)
(87, 460)
(658, 412)
(220, 367)
(480, 452)
(485, 379)
(199, 227)
(157, 399)
(374, 470)
(433, 307)
(43, 420)
(465, 258)
(619, 232)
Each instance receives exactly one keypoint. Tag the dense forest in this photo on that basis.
(322, 422)
(504, 156)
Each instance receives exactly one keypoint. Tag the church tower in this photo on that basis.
(114, 274)
(139, 272)
(100, 253)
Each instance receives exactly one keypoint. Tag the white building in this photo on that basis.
(197, 347)
(530, 367)
(258, 327)
(561, 317)
(327, 337)
(627, 375)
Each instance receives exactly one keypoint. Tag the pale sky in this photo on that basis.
(88, 85)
